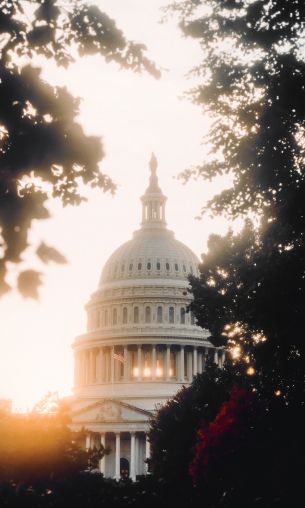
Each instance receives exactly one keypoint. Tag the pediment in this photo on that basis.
(109, 410)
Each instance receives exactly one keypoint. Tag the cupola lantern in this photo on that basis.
(153, 201)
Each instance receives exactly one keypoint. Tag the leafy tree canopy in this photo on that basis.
(39, 446)
(173, 430)
(43, 150)
(251, 454)
(252, 286)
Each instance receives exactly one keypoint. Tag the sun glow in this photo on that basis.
(159, 371)
(135, 372)
(147, 371)
(134, 115)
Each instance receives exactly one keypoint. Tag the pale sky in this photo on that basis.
(134, 115)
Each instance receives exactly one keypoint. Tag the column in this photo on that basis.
(133, 456)
(91, 366)
(223, 357)
(199, 364)
(88, 441)
(117, 456)
(143, 213)
(98, 365)
(195, 365)
(147, 451)
(103, 459)
(87, 367)
(181, 364)
(101, 368)
(189, 366)
(216, 356)
(139, 362)
(112, 364)
(204, 354)
(168, 362)
(81, 369)
(153, 362)
(107, 364)
(126, 364)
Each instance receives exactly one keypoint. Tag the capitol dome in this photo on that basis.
(150, 254)
(142, 344)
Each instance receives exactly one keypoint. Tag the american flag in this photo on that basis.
(119, 357)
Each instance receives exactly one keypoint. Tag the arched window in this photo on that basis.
(158, 265)
(167, 266)
(184, 268)
(147, 314)
(159, 314)
(176, 267)
(130, 267)
(192, 319)
(171, 315)
(149, 265)
(106, 317)
(114, 316)
(139, 266)
(124, 315)
(182, 315)
(136, 314)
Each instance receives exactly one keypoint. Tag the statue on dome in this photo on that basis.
(153, 163)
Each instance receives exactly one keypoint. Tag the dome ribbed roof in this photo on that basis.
(150, 254)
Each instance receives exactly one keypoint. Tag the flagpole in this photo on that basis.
(119, 358)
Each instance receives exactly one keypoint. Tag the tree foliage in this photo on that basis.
(218, 440)
(39, 446)
(223, 442)
(252, 285)
(251, 454)
(173, 430)
(44, 152)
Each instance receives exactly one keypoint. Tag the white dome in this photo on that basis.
(152, 253)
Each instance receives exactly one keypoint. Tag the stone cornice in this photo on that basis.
(162, 340)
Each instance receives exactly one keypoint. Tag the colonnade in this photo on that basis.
(149, 362)
(122, 445)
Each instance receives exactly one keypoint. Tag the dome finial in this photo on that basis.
(153, 163)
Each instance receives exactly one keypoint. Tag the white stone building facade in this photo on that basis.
(141, 344)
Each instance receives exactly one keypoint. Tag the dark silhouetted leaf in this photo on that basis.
(29, 282)
(47, 254)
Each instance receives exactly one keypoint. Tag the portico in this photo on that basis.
(126, 458)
